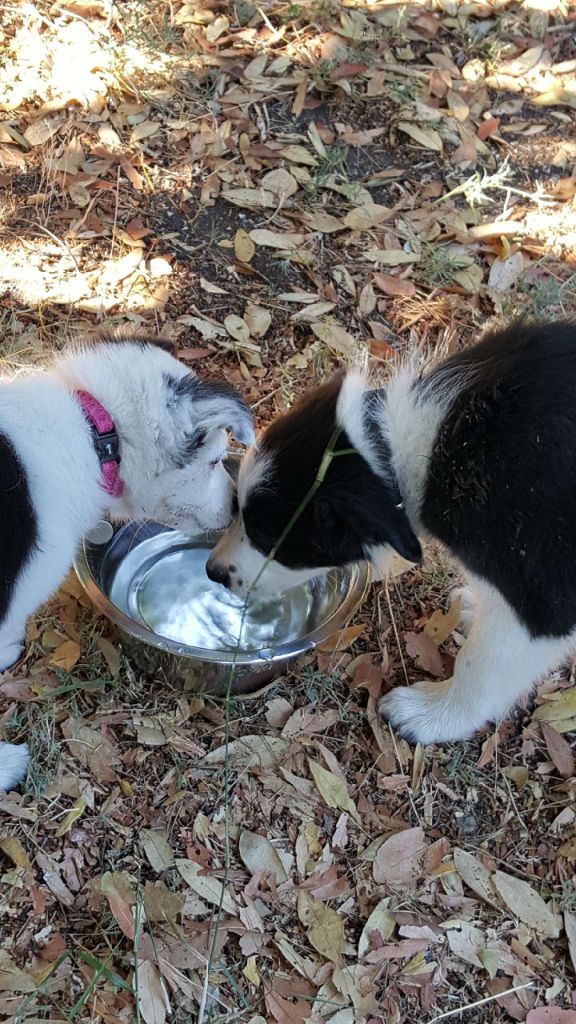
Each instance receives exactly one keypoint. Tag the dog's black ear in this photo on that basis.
(365, 518)
(214, 405)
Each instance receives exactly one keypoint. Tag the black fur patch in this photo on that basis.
(353, 510)
(192, 387)
(18, 527)
(166, 346)
(501, 489)
(189, 447)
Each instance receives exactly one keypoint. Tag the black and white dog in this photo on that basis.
(119, 428)
(478, 453)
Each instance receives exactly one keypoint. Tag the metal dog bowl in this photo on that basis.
(151, 582)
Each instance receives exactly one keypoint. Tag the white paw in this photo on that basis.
(468, 607)
(13, 764)
(424, 713)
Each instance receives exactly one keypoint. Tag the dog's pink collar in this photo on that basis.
(105, 440)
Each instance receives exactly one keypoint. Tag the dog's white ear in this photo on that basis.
(214, 405)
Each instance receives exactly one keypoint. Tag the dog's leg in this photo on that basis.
(10, 651)
(13, 628)
(13, 764)
(498, 663)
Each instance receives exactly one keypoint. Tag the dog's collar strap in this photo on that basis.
(105, 440)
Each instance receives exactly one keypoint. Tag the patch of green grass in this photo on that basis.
(439, 266)
(332, 165)
(404, 90)
(546, 298)
(292, 13)
(460, 768)
(44, 748)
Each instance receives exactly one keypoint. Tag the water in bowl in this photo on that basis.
(162, 583)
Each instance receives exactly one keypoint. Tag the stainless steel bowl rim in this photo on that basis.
(357, 588)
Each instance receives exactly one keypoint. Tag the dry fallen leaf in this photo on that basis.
(466, 941)
(116, 887)
(276, 239)
(332, 789)
(244, 247)
(280, 182)
(299, 155)
(470, 278)
(399, 861)
(335, 337)
(394, 285)
(92, 749)
(145, 130)
(559, 96)
(342, 640)
(551, 1015)
(12, 978)
(161, 904)
(150, 993)
(40, 131)
(253, 198)
(423, 650)
(12, 847)
(251, 973)
(250, 751)
(325, 223)
(429, 138)
(237, 328)
(157, 849)
(526, 905)
(392, 257)
(306, 721)
(379, 926)
(361, 138)
(504, 273)
(258, 320)
(66, 655)
(258, 854)
(325, 928)
(559, 709)
(314, 311)
(475, 875)
(207, 887)
(368, 216)
(560, 751)
(441, 625)
(518, 66)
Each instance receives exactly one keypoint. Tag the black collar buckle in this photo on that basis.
(107, 446)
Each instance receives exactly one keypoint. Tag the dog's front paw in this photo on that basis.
(424, 713)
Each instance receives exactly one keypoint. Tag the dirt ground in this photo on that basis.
(279, 189)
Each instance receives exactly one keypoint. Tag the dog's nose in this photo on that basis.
(218, 573)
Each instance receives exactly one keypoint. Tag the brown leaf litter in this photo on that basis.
(276, 191)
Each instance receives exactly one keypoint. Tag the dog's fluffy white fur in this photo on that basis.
(172, 437)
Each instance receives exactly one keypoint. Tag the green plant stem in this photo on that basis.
(328, 456)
